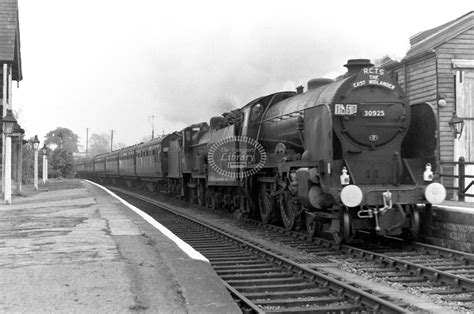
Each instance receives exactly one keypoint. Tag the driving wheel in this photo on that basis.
(344, 234)
(288, 210)
(266, 203)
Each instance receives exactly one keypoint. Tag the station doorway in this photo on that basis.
(464, 146)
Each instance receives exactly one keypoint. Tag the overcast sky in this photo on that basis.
(110, 65)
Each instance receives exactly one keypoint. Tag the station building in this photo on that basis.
(10, 70)
(439, 69)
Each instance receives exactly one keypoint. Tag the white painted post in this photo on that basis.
(44, 168)
(5, 104)
(8, 170)
(36, 170)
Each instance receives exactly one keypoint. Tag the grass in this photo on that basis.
(50, 185)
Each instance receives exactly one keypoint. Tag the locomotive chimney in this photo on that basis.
(355, 65)
(299, 89)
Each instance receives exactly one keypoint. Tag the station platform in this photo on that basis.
(71, 247)
(456, 205)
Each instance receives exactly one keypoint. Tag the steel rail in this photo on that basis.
(428, 272)
(243, 298)
(460, 255)
(420, 270)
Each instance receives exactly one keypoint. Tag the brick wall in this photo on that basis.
(452, 229)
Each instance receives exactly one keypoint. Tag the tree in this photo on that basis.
(99, 144)
(27, 164)
(62, 138)
(62, 163)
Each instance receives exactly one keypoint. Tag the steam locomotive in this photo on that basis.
(348, 155)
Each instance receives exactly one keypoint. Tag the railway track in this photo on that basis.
(434, 270)
(263, 281)
(430, 269)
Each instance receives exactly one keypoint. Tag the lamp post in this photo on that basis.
(45, 163)
(8, 123)
(35, 148)
(457, 125)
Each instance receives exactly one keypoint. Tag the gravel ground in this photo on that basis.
(412, 289)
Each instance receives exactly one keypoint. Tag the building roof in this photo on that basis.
(10, 36)
(430, 39)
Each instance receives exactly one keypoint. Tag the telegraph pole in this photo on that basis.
(111, 139)
(87, 141)
(152, 121)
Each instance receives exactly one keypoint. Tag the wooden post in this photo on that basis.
(4, 112)
(5, 89)
(19, 170)
(9, 88)
(35, 179)
(8, 170)
(87, 141)
(44, 169)
(462, 178)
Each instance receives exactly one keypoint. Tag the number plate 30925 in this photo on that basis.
(373, 113)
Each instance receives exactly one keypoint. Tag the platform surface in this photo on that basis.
(74, 248)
